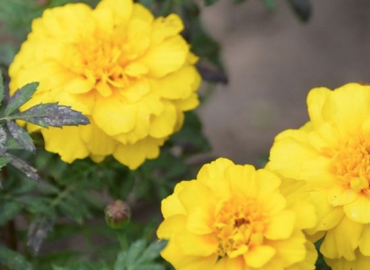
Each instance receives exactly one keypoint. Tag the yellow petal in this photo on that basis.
(65, 141)
(163, 125)
(197, 195)
(133, 155)
(188, 104)
(114, 115)
(171, 226)
(358, 210)
(167, 57)
(199, 221)
(121, 9)
(179, 84)
(196, 245)
(290, 251)
(142, 13)
(166, 27)
(290, 150)
(98, 143)
(315, 101)
(338, 195)
(281, 226)
(364, 242)
(136, 91)
(79, 85)
(171, 205)
(342, 240)
(258, 256)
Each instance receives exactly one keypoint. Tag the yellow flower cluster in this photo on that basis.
(331, 155)
(234, 217)
(131, 74)
(316, 182)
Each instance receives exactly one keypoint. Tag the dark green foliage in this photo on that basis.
(302, 9)
(13, 260)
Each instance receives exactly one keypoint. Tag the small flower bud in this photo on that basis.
(117, 214)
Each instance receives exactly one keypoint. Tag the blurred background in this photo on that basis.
(272, 61)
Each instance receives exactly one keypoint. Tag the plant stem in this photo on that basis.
(11, 236)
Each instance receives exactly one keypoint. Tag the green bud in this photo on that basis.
(117, 214)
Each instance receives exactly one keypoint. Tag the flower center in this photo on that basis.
(351, 163)
(239, 225)
(101, 60)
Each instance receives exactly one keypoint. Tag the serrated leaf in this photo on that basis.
(302, 8)
(140, 257)
(24, 167)
(152, 251)
(52, 115)
(8, 211)
(13, 260)
(120, 261)
(135, 251)
(38, 231)
(1, 87)
(3, 140)
(20, 97)
(21, 136)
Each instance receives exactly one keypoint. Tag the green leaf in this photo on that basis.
(210, 2)
(24, 167)
(140, 257)
(21, 136)
(4, 161)
(3, 140)
(13, 260)
(302, 8)
(20, 97)
(190, 137)
(135, 250)
(147, 3)
(152, 251)
(1, 87)
(269, 4)
(52, 115)
(8, 211)
(37, 232)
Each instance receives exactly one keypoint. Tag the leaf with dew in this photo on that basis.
(52, 115)
(23, 167)
(38, 231)
(21, 136)
(20, 97)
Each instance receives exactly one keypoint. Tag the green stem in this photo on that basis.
(122, 238)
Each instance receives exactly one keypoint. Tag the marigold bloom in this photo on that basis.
(131, 74)
(331, 153)
(234, 217)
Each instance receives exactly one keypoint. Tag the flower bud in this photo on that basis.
(117, 214)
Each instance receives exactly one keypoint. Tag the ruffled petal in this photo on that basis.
(66, 141)
(342, 240)
(166, 57)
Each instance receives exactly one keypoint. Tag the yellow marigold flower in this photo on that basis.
(131, 74)
(331, 154)
(234, 217)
